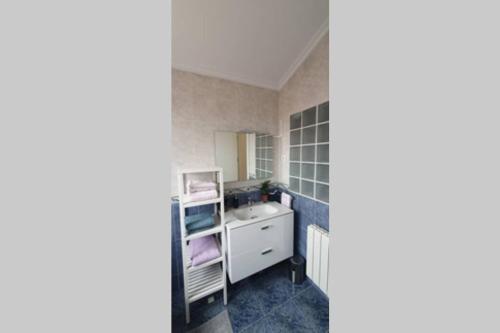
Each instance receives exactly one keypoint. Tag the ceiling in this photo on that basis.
(258, 42)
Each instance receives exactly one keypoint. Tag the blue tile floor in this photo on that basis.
(265, 302)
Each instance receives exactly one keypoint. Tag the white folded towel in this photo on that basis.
(286, 199)
(201, 196)
(201, 186)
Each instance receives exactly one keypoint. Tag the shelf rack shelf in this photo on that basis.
(204, 282)
(191, 268)
(210, 277)
(214, 230)
(202, 203)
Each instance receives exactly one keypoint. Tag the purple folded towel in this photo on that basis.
(203, 249)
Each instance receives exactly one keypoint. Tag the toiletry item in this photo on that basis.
(236, 202)
(230, 201)
(286, 200)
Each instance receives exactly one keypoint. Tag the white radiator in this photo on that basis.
(317, 256)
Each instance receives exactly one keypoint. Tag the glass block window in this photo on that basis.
(263, 155)
(295, 170)
(309, 152)
(323, 112)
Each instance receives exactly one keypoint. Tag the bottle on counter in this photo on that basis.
(236, 202)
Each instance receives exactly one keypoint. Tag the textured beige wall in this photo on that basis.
(307, 87)
(202, 105)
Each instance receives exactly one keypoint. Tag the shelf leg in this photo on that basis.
(225, 295)
(188, 319)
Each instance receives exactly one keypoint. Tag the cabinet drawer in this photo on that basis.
(246, 264)
(254, 247)
(272, 233)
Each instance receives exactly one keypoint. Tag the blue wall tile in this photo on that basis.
(175, 283)
(322, 212)
(181, 281)
(175, 227)
(176, 251)
(295, 202)
(255, 195)
(206, 209)
(242, 198)
(302, 241)
(306, 211)
(276, 196)
(192, 211)
(173, 266)
(296, 234)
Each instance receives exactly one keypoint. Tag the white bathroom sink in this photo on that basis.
(256, 211)
(246, 214)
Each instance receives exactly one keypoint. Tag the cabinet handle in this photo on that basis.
(265, 227)
(266, 251)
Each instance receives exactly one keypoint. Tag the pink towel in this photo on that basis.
(203, 249)
(200, 196)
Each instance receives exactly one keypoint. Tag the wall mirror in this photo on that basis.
(243, 155)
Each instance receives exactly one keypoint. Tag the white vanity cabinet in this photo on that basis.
(253, 245)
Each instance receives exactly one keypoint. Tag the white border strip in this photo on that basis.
(225, 76)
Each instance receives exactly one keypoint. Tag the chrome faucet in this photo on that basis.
(250, 202)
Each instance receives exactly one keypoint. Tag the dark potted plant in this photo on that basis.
(264, 191)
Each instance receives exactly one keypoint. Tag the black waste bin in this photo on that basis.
(297, 269)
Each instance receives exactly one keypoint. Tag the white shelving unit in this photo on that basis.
(210, 277)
